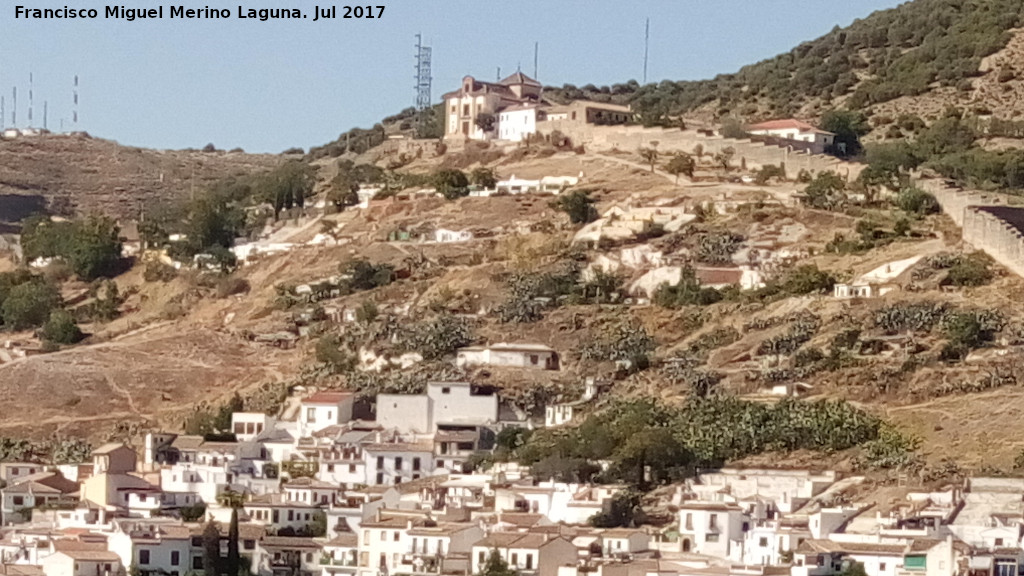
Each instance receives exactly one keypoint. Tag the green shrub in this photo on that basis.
(916, 201)
(970, 270)
(60, 328)
(29, 305)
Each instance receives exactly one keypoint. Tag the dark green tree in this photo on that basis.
(848, 126)
(496, 566)
(211, 549)
(681, 163)
(232, 563)
(483, 176)
(578, 205)
(29, 304)
(451, 183)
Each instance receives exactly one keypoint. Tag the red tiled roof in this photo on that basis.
(718, 276)
(327, 397)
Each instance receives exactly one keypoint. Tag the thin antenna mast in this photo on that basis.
(647, 40)
(44, 114)
(74, 112)
(536, 51)
(14, 106)
(30, 97)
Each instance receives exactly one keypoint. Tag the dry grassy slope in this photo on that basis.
(102, 176)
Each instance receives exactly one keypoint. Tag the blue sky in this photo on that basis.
(267, 86)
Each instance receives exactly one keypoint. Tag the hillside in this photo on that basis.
(79, 173)
(178, 345)
(917, 58)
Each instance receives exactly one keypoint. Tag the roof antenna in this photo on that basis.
(498, 78)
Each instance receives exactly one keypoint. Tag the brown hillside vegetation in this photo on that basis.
(84, 174)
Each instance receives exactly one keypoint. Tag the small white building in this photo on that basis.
(877, 282)
(517, 122)
(517, 186)
(443, 235)
(458, 404)
(323, 409)
(88, 562)
(248, 425)
(712, 529)
(791, 129)
(536, 356)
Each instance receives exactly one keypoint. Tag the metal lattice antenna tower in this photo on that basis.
(422, 74)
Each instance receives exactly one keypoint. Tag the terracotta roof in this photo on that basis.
(787, 124)
(43, 483)
(289, 542)
(343, 540)
(305, 482)
(69, 545)
(400, 447)
(246, 530)
(699, 505)
(92, 555)
(442, 529)
(327, 397)
(187, 442)
(515, 540)
(718, 276)
(833, 547)
(519, 78)
(522, 520)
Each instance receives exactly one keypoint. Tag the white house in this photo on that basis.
(712, 528)
(536, 356)
(877, 282)
(443, 235)
(276, 555)
(248, 425)
(324, 409)
(398, 460)
(527, 553)
(28, 492)
(157, 544)
(458, 404)
(77, 562)
(791, 129)
(517, 186)
(519, 121)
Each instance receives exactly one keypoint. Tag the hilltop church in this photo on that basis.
(512, 109)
